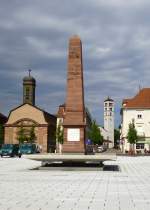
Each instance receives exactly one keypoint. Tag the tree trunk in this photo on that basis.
(60, 148)
(131, 150)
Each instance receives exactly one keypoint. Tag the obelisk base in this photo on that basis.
(74, 140)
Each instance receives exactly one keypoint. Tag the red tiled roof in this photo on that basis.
(141, 100)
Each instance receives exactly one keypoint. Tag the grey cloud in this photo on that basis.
(116, 49)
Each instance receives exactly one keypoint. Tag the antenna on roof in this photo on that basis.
(139, 87)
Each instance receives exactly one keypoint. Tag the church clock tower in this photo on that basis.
(29, 84)
(109, 120)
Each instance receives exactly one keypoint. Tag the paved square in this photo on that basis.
(128, 189)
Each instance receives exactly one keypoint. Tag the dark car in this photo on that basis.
(27, 149)
(9, 150)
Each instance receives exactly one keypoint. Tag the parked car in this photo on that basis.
(9, 150)
(27, 148)
(0, 148)
(101, 148)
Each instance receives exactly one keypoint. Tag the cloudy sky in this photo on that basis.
(34, 35)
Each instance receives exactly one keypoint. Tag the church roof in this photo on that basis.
(28, 78)
(46, 114)
(141, 100)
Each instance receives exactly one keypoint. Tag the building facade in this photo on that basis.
(28, 116)
(137, 110)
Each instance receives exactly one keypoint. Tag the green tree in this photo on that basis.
(59, 134)
(21, 136)
(94, 134)
(59, 137)
(32, 136)
(1, 134)
(132, 137)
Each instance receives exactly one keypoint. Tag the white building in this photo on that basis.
(108, 130)
(137, 110)
(104, 133)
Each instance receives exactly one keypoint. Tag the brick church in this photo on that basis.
(28, 115)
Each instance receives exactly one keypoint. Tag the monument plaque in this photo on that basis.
(73, 134)
(74, 121)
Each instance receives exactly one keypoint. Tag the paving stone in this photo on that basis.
(21, 188)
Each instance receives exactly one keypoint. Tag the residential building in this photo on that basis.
(136, 110)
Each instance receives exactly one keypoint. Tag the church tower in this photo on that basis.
(109, 120)
(29, 84)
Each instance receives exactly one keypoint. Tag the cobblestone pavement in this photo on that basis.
(127, 189)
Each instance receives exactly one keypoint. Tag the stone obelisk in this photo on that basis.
(74, 121)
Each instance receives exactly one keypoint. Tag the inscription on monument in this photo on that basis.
(73, 134)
